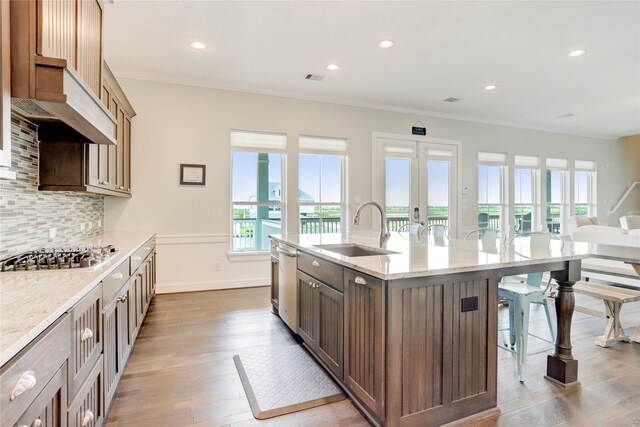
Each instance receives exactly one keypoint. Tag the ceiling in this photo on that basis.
(442, 50)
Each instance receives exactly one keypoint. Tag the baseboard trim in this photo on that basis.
(171, 288)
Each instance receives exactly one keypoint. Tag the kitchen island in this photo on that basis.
(411, 334)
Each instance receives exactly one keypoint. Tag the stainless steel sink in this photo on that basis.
(353, 250)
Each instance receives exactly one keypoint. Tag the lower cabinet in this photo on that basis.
(321, 321)
(49, 409)
(364, 367)
(87, 409)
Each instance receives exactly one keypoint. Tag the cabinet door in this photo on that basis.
(86, 339)
(126, 153)
(50, 407)
(330, 328)
(125, 340)
(98, 160)
(132, 306)
(112, 167)
(139, 303)
(306, 308)
(89, 43)
(87, 410)
(111, 374)
(364, 364)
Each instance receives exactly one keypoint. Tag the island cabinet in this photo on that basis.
(320, 321)
(364, 337)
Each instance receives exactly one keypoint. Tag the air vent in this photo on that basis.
(565, 116)
(452, 100)
(30, 109)
(314, 77)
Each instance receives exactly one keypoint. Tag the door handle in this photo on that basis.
(287, 253)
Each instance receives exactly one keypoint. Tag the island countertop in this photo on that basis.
(31, 301)
(428, 256)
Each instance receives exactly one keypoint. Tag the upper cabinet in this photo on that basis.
(5, 91)
(56, 70)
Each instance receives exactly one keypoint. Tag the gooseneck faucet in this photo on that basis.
(384, 232)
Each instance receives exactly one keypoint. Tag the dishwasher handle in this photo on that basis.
(287, 253)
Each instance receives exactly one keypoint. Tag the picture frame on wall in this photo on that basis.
(191, 174)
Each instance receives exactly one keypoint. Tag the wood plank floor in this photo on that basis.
(181, 371)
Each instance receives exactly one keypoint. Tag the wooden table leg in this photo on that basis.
(562, 368)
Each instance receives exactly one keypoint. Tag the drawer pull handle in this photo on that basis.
(360, 280)
(26, 382)
(147, 248)
(315, 263)
(88, 417)
(136, 258)
(86, 334)
(117, 276)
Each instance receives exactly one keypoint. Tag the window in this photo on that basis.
(256, 186)
(321, 184)
(584, 183)
(525, 179)
(491, 182)
(556, 200)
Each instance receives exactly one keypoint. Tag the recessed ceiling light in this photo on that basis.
(578, 52)
(197, 45)
(332, 67)
(490, 87)
(386, 44)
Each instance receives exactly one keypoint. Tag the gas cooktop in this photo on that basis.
(59, 258)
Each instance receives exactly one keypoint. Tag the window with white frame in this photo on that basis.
(557, 194)
(584, 184)
(321, 167)
(491, 189)
(257, 192)
(526, 176)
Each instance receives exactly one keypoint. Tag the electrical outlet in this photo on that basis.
(83, 226)
(358, 199)
(99, 223)
(90, 225)
(52, 233)
(218, 266)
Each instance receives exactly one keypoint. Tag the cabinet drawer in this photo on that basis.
(50, 407)
(323, 270)
(86, 410)
(140, 255)
(41, 359)
(86, 338)
(114, 282)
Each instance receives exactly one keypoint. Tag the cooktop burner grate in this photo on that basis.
(58, 259)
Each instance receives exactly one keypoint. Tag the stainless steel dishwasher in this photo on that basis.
(288, 286)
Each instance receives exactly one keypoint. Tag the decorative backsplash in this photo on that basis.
(27, 215)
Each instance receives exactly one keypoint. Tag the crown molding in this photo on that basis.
(161, 78)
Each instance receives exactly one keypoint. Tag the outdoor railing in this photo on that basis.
(319, 225)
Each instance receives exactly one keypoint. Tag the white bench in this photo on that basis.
(613, 297)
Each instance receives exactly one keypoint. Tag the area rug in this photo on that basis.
(284, 379)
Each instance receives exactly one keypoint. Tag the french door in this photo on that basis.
(417, 181)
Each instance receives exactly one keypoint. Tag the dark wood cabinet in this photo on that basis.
(49, 409)
(93, 168)
(5, 87)
(364, 364)
(87, 408)
(320, 321)
(117, 341)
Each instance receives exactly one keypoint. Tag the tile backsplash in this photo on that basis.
(28, 215)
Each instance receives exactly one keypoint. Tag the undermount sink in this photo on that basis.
(353, 250)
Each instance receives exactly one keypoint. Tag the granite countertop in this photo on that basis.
(31, 301)
(427, 256)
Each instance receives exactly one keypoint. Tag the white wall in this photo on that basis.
(183, 124)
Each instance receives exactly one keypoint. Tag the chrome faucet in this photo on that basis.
(384, 231)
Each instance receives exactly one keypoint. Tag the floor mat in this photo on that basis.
(285, 379)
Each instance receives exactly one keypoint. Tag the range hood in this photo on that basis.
(63, 107)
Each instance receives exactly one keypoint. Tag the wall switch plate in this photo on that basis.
(357, 199)
(90, 225)
(52, 233)
(218, 266)
(83, 226)
(99, 223)
(465, 189)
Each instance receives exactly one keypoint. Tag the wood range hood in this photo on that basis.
(62, 106)
(56, 70)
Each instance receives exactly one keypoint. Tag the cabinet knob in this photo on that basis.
(88, 417)
(117, 276)
(86, 334)
(103, 182)
(122, 298)
(360, 280)
(315, 263)
(26, 382)
(121, 187)
(36, 423)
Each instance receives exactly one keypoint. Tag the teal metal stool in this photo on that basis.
(520, 295)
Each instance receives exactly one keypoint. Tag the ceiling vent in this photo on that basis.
(452, 100)
(314, 77)
(565, 116)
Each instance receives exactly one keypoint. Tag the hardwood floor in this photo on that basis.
(181, 371)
